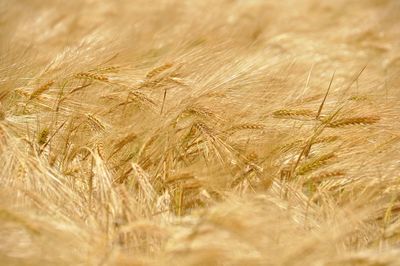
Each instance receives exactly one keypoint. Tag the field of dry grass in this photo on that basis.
(177, 132)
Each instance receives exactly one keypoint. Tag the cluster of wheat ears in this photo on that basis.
(177, 132)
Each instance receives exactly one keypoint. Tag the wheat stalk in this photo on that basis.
(123, 142)
(300, 143)
(315, 163)
(289, 113)
(37, 92)
(144, 182)
(325, 139)
(358, 98)
(91, 76)
(178, 178)
(158, 70)
(327, 174)
(199, 111)
(351, 121)
(108, 69)
(42, 136)
(94, 122)
(246, 126)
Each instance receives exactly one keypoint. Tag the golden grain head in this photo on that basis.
(158, 70)
(314, 163)
(91, 76)
(289, 113)
(38, 91)
(42, 136)
(352, 121)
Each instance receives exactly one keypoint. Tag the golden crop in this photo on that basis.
(184, 132)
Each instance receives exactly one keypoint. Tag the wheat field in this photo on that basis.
(178, 132)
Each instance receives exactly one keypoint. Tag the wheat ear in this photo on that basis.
(351, 121)
(37, 92)
(289, 113)
(91, 76)
(158, 70)
(315, 163)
